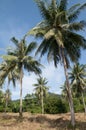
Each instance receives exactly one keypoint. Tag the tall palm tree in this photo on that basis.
(78, 80)
(12, 75)
(20, 58)
(60, 40)
(41, 90)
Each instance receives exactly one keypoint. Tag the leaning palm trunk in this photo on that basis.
(83, 102)
(69, 94)
(20, 112)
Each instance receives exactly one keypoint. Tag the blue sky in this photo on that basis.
(16, 18)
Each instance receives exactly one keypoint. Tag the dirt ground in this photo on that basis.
(11, 121)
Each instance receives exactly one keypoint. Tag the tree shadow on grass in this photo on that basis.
(9, 120)
(59, 123)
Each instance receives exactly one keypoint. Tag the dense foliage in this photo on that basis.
(53, 104)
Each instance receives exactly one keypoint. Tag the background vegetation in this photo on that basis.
(53, 104)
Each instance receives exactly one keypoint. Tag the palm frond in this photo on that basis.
(30, 47)
(6, 70)
(76, 39)
(15, 41)
(43, 47)
(61, 18)
(49, 34)
(39, 30)
(73, 8)
(32, 65)
(63, 5)
(54, 4)
(9, 58)
(72, 50)
(53, 52)
(76, 26)
(74, 15)
(43, 10)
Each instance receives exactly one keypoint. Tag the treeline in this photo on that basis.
(53, 104)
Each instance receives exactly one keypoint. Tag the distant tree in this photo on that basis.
(31, 103)
(15, 106)
(54, 104)
(41, 90)
(64, 91)
(29, 100)
(78, 80)
(12, 75)
(7, 97)
(20, 58)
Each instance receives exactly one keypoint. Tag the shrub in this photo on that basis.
(54, 105)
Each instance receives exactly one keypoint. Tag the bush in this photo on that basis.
(78, 106)
(1, 109)
(15, 106)
(54, 105)
(36, 109)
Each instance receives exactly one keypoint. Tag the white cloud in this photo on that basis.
(54, 76)
(28, 82)
(52, 72)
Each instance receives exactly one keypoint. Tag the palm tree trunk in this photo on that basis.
(21, 76)
(83, 102)
(42, 103)
(6, 103)
(69, 94)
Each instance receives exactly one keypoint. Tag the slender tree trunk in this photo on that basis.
(42, 103)
(83, 102)
(69, 94)
(21, 76)
(6, 103)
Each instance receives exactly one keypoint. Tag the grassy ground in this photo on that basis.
(12, 121)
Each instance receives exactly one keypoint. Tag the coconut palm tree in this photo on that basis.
(60, 41)
(78, 80)
(20, 58)
(41, 90)
(12, 75)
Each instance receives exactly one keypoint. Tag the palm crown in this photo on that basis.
(20, 56)
(58, 30)
(7, 71)
(41, 86)
(78, 77)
